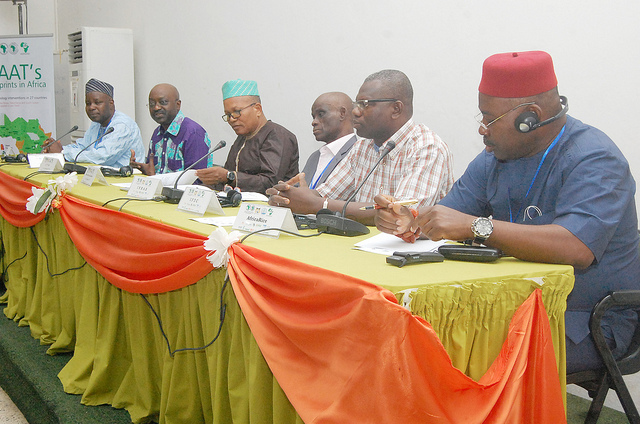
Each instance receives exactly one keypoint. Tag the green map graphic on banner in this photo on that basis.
(29, 135)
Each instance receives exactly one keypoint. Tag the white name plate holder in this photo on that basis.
(93, 174)
(50, 165)
(198, 200)
(144, 188)
(257, 216)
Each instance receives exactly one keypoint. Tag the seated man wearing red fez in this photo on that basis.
(547, 188)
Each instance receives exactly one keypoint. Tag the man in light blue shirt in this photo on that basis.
(114, 149)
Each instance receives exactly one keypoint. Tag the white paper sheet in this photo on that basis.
(218, 221)
(386, 244)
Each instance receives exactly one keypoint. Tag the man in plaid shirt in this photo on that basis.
(419, 167)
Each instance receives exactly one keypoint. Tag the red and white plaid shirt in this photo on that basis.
(420, 167)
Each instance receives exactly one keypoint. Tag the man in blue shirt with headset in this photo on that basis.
(547, 188)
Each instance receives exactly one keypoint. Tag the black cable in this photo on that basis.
(223, 312)
(281, 230)
(47, 258)
(31, 175)
(4, 272)
(133, 199)
(113, 200)
(41, 172)
(129, 199)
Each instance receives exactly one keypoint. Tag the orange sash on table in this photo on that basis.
(344, 351)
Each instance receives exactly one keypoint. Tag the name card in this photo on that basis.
(255, 216)
(35, 159)
(144, 188)
(50, 164)
(91, 174)
(199, 200)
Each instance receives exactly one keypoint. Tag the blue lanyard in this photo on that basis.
(544, 156)
(101, 131)
(321, 174)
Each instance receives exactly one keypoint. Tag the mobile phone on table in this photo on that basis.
(462, 252)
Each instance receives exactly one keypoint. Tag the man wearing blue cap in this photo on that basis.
(114, 149)
(262, 154)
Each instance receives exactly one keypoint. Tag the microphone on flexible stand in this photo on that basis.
(174, 194)
(75, 127)
(331, 223)
(73, 167)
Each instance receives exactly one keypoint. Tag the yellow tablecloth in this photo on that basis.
(121, 358)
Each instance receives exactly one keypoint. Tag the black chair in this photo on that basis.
(598, 382)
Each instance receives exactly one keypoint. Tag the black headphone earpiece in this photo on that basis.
(234, 197)
(125, 171)
(19, 158)
(526, 121)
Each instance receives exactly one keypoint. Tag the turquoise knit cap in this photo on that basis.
(237, 88)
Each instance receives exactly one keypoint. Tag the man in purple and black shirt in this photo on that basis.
(178, 142)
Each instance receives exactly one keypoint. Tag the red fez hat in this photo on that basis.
(517, 74)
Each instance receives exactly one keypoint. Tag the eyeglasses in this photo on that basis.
(479, 117)
(361, 104)
(236, 113)
(162, 103)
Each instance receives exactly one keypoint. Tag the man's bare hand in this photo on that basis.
(145, 168)
(300, 199)
(212, 176)
(52, 146)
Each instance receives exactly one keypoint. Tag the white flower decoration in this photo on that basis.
(42, 198)
(218, 243)
(35, 200)
(64, 182)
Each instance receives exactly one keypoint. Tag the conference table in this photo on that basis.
(135, 350)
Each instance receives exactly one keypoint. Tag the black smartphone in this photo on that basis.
(401, 259)
(470, 253)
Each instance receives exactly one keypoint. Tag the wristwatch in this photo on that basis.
(231, 177)
(481, 228)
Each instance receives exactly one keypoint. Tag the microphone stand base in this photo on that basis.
(72, 167)
(172, 195)
(332, 224)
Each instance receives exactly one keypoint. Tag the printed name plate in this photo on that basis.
(93, 173)
(257, 216)
(144, 188)
(199, 200)
(50, 164)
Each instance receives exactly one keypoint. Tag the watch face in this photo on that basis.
(483, 227)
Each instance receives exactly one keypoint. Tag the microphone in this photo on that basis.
(174, 194)
(331, 223)
(73, 167)
(75, 127)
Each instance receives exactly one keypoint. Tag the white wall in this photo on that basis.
(299, 49)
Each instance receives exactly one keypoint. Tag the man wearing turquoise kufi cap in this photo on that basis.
(111, 136)
(262, 154)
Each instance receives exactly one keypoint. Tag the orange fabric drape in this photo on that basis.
(14, 193)
(132, 253)
(343, 351)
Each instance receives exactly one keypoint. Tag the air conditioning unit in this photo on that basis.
(105, 54)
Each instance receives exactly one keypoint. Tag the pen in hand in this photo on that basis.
(399, 202)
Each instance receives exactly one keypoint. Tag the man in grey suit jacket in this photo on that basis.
(332, 124)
